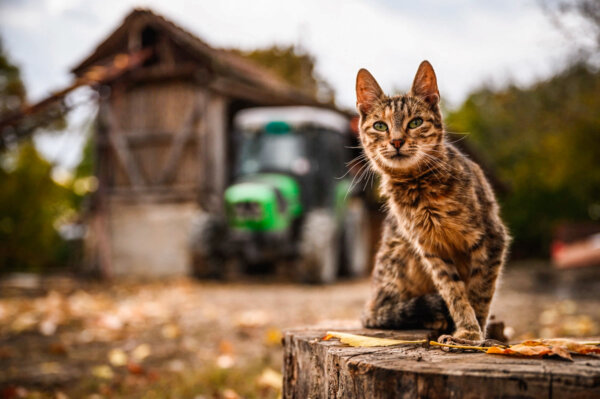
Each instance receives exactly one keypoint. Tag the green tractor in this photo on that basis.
(288, 204)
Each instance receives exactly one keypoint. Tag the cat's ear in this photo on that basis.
(425, 84)
(368, 91)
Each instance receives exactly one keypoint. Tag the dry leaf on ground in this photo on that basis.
(270, 378)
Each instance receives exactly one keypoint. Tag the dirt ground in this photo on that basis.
(66, 338)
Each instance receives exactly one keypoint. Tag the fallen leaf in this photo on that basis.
(23, 322)
(270, 378)
(547, 347)
(135, 368)
(60, 395)
(225, 347)
(252, 318)
(141, 352)
(48, 327)
(57, 348)
(51, 368)
(273, 337)
(230, 394)
(176, 366)
(110, 322)
(6, 352)
(531, 351)
(103, 371)
(170, 331)
(225, 361)
(117, 357)
(570, 345)
(365, 341)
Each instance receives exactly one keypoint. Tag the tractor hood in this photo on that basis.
(263, 202)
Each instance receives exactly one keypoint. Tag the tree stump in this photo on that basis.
(314, 368)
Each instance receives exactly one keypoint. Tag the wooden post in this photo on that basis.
(314, 368)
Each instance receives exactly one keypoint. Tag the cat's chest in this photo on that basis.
(436, 223)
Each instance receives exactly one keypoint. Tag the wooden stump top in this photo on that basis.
(314, 368)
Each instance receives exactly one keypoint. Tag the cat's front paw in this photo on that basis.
(450, 340)
(469, 335)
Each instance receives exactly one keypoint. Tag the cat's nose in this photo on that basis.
(397, 143)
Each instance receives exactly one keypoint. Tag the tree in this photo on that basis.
(12, 90)
(542, 141)
(31, 202)
(31, 205)
(587, 17)
(295, 67)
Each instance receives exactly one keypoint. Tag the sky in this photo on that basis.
(470, 43)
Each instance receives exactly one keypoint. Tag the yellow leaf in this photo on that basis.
(270, 378)
(170, 331)
(273, 337)
(365, 341)
(117, 357)
(103, 371)
(141, 352)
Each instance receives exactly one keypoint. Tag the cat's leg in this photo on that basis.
(454, 292)
(395, 300)
(388, 290)
(386, 310)
(487, 259)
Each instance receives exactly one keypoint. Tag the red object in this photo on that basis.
(580, 253)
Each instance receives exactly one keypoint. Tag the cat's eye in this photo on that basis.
(415, 123)
(380, 126)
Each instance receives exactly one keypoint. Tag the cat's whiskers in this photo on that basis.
(440, 164)
(354, 181)
(356, 160)
(432, 168)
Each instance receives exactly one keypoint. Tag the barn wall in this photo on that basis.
(147, 227)
(150, 240)
(151, 117)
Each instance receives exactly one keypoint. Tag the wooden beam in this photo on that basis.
(94, 76)
(178, 193)
(140, 139)
(181, 139)
(118, 143)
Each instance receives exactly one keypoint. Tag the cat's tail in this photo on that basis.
(427, 311)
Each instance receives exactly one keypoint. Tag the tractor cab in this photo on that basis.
(288, 196)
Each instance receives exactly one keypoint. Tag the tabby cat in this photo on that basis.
(443, 242)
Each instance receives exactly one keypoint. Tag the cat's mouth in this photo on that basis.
(397, 159)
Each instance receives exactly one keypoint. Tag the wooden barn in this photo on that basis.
(163, 140)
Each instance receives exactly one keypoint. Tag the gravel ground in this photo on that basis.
(64, 338)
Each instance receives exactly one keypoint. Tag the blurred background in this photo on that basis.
(181, 181)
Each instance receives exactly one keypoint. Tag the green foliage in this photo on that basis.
(31, 204)
(544, 142)
(295, 67)
(12, 90)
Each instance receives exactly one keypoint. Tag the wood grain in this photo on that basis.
(328, 369)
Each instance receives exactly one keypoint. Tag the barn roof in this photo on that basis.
(231, 74)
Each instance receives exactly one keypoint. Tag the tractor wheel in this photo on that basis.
(319, 248)
(356, 239)
(205, 238)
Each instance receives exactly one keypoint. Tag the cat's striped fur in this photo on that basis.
(443, 242)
